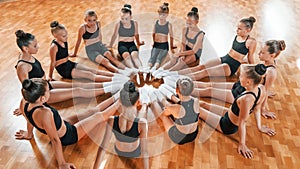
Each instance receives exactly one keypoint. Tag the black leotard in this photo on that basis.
(235, 108)
(36, 71)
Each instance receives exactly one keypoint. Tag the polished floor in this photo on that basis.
(276, 19)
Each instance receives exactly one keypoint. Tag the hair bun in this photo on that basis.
(54, 24)
(166, 4)
(260, 69)
(281, 44)
(252, 19)
(194, 9)
(20, 34)
(127, 6)
(27, 84)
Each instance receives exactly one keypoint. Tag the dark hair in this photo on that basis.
(129, 95)
(255, 72)
(185, 85)
(55, 26)
(33, 89)
(90, 12)
(248, 22)
(194, 13)
(23, 39)
(275, 46)
(126, 9)
(164, 8)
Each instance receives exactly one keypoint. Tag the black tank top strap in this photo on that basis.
(22, 61)
(247, 38)
(187, 30)
(256, 98)
(271, 66)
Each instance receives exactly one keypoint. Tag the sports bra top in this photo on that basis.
(89, 35)
(192, 40)
(235, 108)
(163, 29)
(36, 71)
(129, 136)
(61, 52)
(56, 116)
(240, 47)
(124, 32)
(190, 115)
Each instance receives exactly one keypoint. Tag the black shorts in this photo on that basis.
(227, 126)
(133, 154)
(180, 138)
(232, 63)
(197, 55)
(71, 135)
(126, 47)
(164, 45)
(65, 69)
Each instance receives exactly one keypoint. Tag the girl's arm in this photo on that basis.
(103, 146)
(198, 45)
(79, 36)
(21, 134)
(47, 122)
(245, 102)
(172, 46)
(153, 34)
(252, 48)
(137, 36)
(271, 76)
(53, 51)
(144, 146)
(22, 71)
(263, 129)
(269, 81)
(114, 36)
(183, 39)
(100, 34)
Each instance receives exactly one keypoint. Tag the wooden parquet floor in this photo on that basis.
(275, 20)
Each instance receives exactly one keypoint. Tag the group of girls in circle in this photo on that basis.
(180, 118)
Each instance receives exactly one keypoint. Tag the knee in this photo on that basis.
(105, 61)
(125, 55)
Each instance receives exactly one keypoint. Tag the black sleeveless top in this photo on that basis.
(36, 71)
(88, 35)
(192, 40)
(190, 115)
(56, 116)
(124, 32)
(240, 47)
(129, 136)
(235, 108)
(61, 52)
(163, 29)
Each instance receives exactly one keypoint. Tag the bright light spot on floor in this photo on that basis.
(298, 63)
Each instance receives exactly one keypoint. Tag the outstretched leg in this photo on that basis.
(136, 60)
(86, 125)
